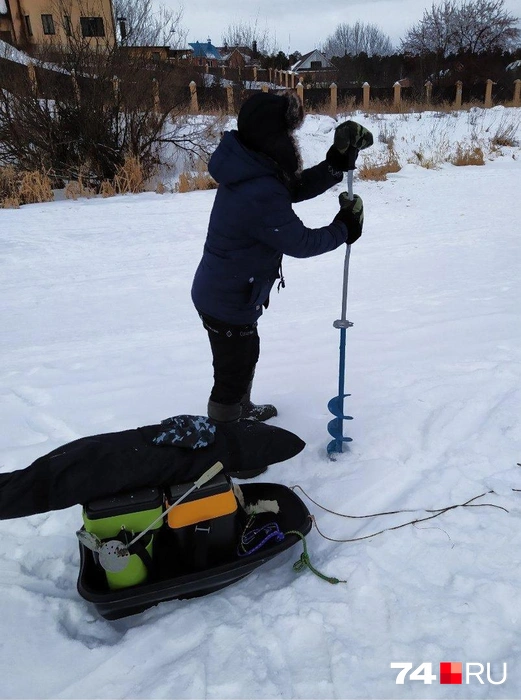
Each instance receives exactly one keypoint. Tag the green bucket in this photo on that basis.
(123, 516)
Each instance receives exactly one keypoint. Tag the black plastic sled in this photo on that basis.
(170, 582)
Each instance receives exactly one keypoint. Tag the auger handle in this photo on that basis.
(350, 194)
(208, 474)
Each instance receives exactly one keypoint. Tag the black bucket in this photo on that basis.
(166, 585)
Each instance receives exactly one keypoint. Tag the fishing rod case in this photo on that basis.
(179, 449)
(184, 568)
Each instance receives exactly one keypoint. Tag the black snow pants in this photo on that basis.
(235, 351)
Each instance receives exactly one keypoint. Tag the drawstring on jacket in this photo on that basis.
(282, 282)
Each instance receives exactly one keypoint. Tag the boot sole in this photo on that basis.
(261, 419)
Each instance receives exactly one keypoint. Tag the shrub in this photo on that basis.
(374, 168)
(197, 179)
(506, 133)
(8, 186)
(467, 155)
(10, 203)
(387, 134)
(78, 188)
(35, 186)
(107, 189)
(419, 158)
(19, 187)
(130, 177)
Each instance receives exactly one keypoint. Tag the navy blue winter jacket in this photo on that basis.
(252, 224)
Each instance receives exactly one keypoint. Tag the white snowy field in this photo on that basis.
(98, 334)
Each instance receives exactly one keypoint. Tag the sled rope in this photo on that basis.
(304, 561)
(435, 513)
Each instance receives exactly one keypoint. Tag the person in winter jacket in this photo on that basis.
(252, 225)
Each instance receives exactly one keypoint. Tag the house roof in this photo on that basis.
(245, 50)
(226, 55)
(205, 50)
(305, 62)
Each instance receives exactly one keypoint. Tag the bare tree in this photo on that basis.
(473, 26)
(140, 24)
(245, 33)
(356, 38)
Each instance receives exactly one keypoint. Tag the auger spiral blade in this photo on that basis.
(336, 406)
(335, 427)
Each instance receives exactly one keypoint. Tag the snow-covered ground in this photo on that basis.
(98, 333)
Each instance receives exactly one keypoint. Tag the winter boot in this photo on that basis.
(260, 412)
(224, 413)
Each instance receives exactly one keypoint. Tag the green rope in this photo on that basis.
(304, 561)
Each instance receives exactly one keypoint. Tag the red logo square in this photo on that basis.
(451, 672)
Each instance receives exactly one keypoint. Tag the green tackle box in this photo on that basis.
(123, 516)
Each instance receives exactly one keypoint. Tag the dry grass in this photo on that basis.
(347, 105)
(506, 133)
(449, 107)
(374, 168)
(218, 111)
(387, 134)
(428, 162)
(378, 106)
(107, 189)
(35, 186)
(418, 106)
(10, 203)
(321, 108)
(80, 187)
(198, 179)
(8, 187)
(72, 190)
(130, 177)
(467, 155)
(24, 187)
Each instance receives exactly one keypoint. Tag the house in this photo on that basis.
(240, 56)
(151, 54)
(315, 68)
(234, 58)
(181, 55)
(205, 54)
(35, 24)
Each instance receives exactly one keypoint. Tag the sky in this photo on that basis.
(99, 334)
(304, 25)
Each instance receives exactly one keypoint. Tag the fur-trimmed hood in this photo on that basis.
(232, 163)
(266, 123)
